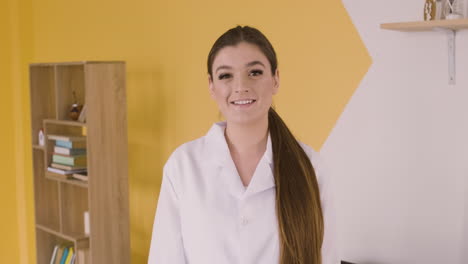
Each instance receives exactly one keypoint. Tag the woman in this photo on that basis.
(247, 192)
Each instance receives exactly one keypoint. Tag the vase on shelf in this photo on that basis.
(75, 111)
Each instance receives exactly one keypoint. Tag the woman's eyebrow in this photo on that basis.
(252, 63)
(223, 67)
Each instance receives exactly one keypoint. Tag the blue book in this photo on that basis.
(70, 144)
(64, 256)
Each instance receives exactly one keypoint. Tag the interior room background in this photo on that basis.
(375, 103)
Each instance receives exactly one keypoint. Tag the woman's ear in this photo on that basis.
(210, 86)
(276, 81)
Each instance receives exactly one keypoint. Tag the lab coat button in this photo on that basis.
(244, 221)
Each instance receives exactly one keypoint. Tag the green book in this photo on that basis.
(69, 151)
(70, 160)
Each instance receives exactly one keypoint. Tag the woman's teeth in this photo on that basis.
(243, 102)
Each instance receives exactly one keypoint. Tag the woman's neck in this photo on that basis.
(247, 138)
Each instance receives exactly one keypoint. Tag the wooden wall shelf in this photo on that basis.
(447, 26)
(455, 24)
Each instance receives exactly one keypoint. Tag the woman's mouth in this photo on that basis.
(243, 102)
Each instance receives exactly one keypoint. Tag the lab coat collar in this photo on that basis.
(217, 150)
(217, 153)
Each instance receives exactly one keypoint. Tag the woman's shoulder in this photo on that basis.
(203, 148)
(316, 160)
(188, 151)
(313, 155)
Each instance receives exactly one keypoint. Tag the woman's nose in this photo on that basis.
(241, 85)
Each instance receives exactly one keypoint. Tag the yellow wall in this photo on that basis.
(165, 44)
(9, 251)
(16, 195)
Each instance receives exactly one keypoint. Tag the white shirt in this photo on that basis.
(206, 215)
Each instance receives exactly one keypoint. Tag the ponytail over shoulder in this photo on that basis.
(300, 219)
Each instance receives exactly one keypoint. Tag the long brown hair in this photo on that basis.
(300, 219)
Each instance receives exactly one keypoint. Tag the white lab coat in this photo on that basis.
(205, 214)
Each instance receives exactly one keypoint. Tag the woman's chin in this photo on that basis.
(245, 119)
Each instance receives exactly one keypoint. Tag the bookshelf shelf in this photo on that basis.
(55, 177)
(64, 122)
(78, 239)
(61, 202)
(39, 147)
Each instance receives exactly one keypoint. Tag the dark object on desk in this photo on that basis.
(346, 262)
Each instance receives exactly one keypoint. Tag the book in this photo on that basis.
(66, 138)
(54, 254)
(82, 117)
(64, 255)
(69, 160)
(70, 255)
(83, 176)
(69, 151)
(66, 167)
(70, 144)
(59, 255)
(65, 172)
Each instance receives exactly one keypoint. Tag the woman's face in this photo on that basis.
(242, 83)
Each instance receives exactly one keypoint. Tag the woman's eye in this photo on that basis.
(223, 76)
(256, 72)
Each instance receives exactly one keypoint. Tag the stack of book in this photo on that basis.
(66, 254)
(69, 157)
(63, 254)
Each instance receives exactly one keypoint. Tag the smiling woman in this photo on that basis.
(248, 191)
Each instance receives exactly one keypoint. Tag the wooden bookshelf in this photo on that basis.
(60, 203)
(454, 24)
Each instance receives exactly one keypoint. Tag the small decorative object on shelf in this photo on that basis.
(439, 9)
(41, 138)
(75, 110)
(453, 9)
(430, 10)
(460, 7)
(86, 222)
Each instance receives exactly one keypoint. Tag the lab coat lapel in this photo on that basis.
(231, 177)
(218, 155)
(263, 177)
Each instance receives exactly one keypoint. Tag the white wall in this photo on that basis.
(398, 155)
